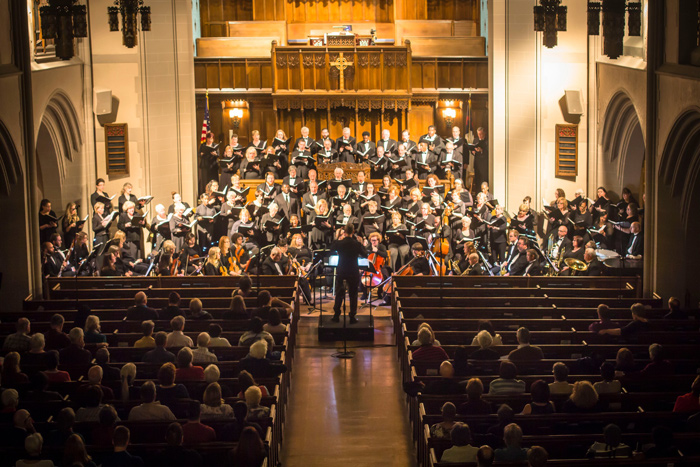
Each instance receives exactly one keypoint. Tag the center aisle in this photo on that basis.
(346, 412)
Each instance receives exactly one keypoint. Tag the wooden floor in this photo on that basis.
(347, 412)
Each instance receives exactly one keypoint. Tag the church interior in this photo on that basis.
(223, 108)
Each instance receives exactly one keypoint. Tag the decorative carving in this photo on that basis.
(402, 104)
(363, 60)
(389, 59)
(424, 101)
(400, 59)
(363, 104)
(389, 104)
(295, 104)
(293, 60)
(350, 170)
(281, 60)
(308, 60)
(322, 104)
(375, 104)
(374, 60)
(344, 66)
(320, 60)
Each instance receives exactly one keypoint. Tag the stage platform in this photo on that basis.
(363, 330)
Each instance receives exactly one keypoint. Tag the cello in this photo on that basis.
(405, 270)
(373, 279)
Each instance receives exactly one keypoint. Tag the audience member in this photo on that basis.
(485, 456)
(19, 341)
(173, 308)
(583, 399)
(560, 384)
(216, 339)
(441, 430)
(159, 354)
(658, 365)
(237, 310)
(540, 403)
(250, 450)
(432, 335)
(689, 402)
(274, 323)
(147, 341)
(507, 382)
(446, 384)
(33, 445)
(127, 390)
(485, 352)
(638, 324)
(212, 375)
(258, 365)
(121, 456)
(537, 456)
(177, 337)
(604, 320)
(140, 310)
(75, 452)
(608, 385)
(256, 412)
(93, 333)
(506, 415)
(487, 325)
(196, 311)
(35, 359)
(174, 455)
(167, 392)
(461, 450)
(39, 390)
(674, 310)
(232, 431)
(255, 333)
(624, 363)
(22, 426)
(150, 409)
(429, 350)
(185, 370)
(10, 402)
(513, 438)
(461, 362)
(109, 372)
(95, 379)
(65, 420)
(202, 354)
(194, 431)
(92, 403)
(475, 405)
(663, 444)
(103, 432)
(246, 380)
(56, 339)
(53, 374)
(612, 447)
(212, 404)
(12, 376)
(525, 351)
(75, 353)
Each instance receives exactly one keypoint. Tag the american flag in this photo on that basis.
(206, 124)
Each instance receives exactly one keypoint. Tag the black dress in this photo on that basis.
(46, 219)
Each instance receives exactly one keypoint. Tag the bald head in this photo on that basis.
(140, 298)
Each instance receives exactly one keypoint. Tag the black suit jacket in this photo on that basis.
(288, 208)
(595, 268)
(535, 269)
(269, 269)
(638, 247)
(141, 313)
(344, 153)
(348, 249)
(518, 266)
(392, 146)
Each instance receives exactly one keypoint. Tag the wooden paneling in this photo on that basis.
(438, 9)
(408, 29)
(339, 11)
(303, 30)
(239, 47)
(438, 73)
(448, 46)
(243, 74)
(258, 29)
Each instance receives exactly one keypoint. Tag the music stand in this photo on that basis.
(319, 256)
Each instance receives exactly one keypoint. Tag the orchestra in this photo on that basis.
(421, 214)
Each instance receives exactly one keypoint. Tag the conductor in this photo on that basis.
(349, 250)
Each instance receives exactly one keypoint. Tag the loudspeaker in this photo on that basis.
(574, 104)
(102, 101)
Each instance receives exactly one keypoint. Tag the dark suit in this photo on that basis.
(390, 146)
(518, 265)
(345, 155)
(532, 269)
(429, 159)
(635, 246)
(307, 200)
(369, 147)
(348, 250)
(595, 268)
(269, 268)
(141, 313)
(527, 352)
(481, 160)
(288, 208)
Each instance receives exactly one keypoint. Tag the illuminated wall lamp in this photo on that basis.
(236, 115)
(449, 116)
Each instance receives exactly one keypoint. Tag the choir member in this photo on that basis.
(296, 184)
(398, 248)
(310, 200)
(208, 161)
(269, 188)
(127, 195)
(288, 204)
(177, 199)
(179, 226)
(131, 225)
(346, 145)
(205, 213)
(450, 162)
(101, 223)
(345, 217)
(325, 136)
(480, 149)
(366, 149)
(389, 145)
(101, 195)
(322, 229)
(281, 150)
(425, 161)
(301, 159)
(71, 223)
(327, 155)
(582, 220)
(47, 221)
(305, 138)
(250, 166)
(229, 168)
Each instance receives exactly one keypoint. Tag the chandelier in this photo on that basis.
(129, 10)
(614, 23)
(550, 17)
(62, 20)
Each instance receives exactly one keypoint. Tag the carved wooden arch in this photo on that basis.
(679, 167)
(10, 163)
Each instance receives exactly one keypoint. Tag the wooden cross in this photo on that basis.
(341, 63)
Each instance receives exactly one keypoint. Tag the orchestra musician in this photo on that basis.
(188, 256)
(471, 266)
(517, 263)
(532, 268)
(576, 251)
(420, 264)
(212, 267)
(229, 263)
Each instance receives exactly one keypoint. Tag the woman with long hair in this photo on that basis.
(213, 265)
(70, 224)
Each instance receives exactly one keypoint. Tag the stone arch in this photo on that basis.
(10, 162)
(622, 140)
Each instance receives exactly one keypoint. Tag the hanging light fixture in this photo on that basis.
(63, 20)
(614, 23)
(129, 9)
(550, 17)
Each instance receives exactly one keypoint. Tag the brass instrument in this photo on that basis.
(576, 265)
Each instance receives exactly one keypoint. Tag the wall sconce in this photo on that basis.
(550, 17)
(236, 115)
(449, 116)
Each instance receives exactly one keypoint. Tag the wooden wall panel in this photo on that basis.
(419, 118)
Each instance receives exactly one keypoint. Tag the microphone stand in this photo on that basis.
(345, 354)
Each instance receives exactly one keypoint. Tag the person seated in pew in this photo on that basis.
(196, 312)
(35, 358)
(38, 391)
(625, 364)
(525, 351)
(109, 372)
(583, 399)
(177, 337)
(487, 325)
(140, 310)
(246, 380)
(127, 390)
(150, 408)
(441, 430)
(186, 371)
(612, 447)
(75, 353)
(94, 379)
(92, 332)
(201, 353)
(689, 402)
(91, 404)
(174, 455)
(194, 431)
(604, 321)
(663, 444)
(485, 352)
(256, 412)
(167, 391)
(101, 434)
(608, 385)
(216, 339)
(658, 365)
(638, 324)
(274, 323)
(540, 403)
(10, 401)
(173, 308)
(53, 374)
(212, 406)
(461, 450)
(258, 365)
(121, 457)
(560, 384)
(19, 341)
(513, 438)
(147, 341)
(429, 350)
(432, 333)
(507, 382)
(446, 384)
(64, 423)
(475, 405)
(250, 449)
(537, 456)
(237, 309)
(255, 332)
(674, 310)
(232, 431)
(159, 354)
(55, 338)
(212, 374)
(33, 445)
(22, 426)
